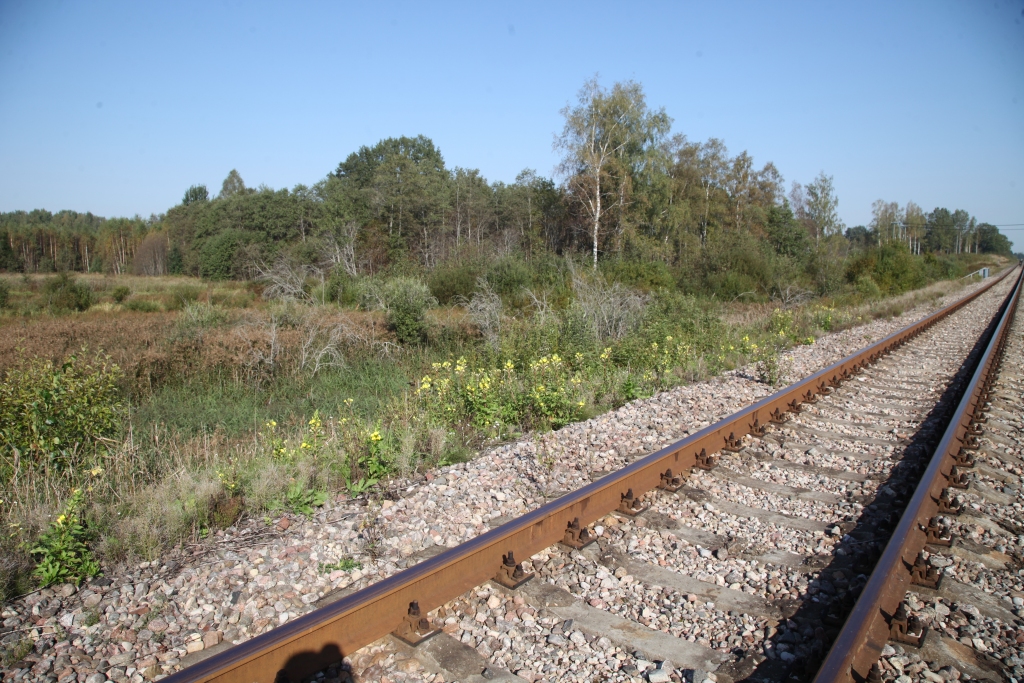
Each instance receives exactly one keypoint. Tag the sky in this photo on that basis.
(118, 107)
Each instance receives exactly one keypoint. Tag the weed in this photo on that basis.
(16, 652)
(63, 555)
(299, 499)
(121, 292)
(345, 564)
(371, 533)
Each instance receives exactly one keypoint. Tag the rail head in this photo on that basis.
(322, 637)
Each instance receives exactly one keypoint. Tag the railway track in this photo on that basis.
(743, 562)
(745, 570)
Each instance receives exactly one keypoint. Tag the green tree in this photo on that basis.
(196, 193)
(218, 255)
(403, 183)
(991, 241)
(860, 236)
(608, 136)
(821, 208)
(784, 233)
(232, 186)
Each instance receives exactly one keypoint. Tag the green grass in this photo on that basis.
(201, 406)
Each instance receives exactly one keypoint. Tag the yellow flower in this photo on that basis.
(580, 404)
(375, 436)
(96, 471)
(61, 519)
(509, 365)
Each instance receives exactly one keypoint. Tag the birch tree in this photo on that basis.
(606, 128)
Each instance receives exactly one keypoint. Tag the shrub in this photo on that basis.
(454, 281)
(509, 276)
(142, 306)
(5, 295)
(53, 415)
(611, 310)
(485, 312)
(64, 293)
(646, 276)
(180, 296)
(896, 269)
(867, 287)
(342, 288)
(405, 301)
(121, 292)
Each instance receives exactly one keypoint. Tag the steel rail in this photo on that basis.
(867, 629)
(320, 638)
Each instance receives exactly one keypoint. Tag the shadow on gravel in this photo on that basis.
(803, 640)
(303, 665)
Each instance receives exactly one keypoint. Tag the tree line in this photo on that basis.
(627, 190)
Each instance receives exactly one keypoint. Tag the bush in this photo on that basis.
(647, 276)
(121, 292)
(406, 317)
(455, 279)
(405, 301)
(342, 288)
(64, 293)
(896, 269)
(142, 306)
(485, 312)
(612, 311)
(5, 295)
(509, 276)
(52, 416)
(867, 287)
(180, 296)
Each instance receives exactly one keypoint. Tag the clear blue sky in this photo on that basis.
(117, 107)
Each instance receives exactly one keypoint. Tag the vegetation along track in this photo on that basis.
(158, 617)
(746, 570)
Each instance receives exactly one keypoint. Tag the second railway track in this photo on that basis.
(745, 571)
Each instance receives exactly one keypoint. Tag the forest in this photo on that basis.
(627, 192)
